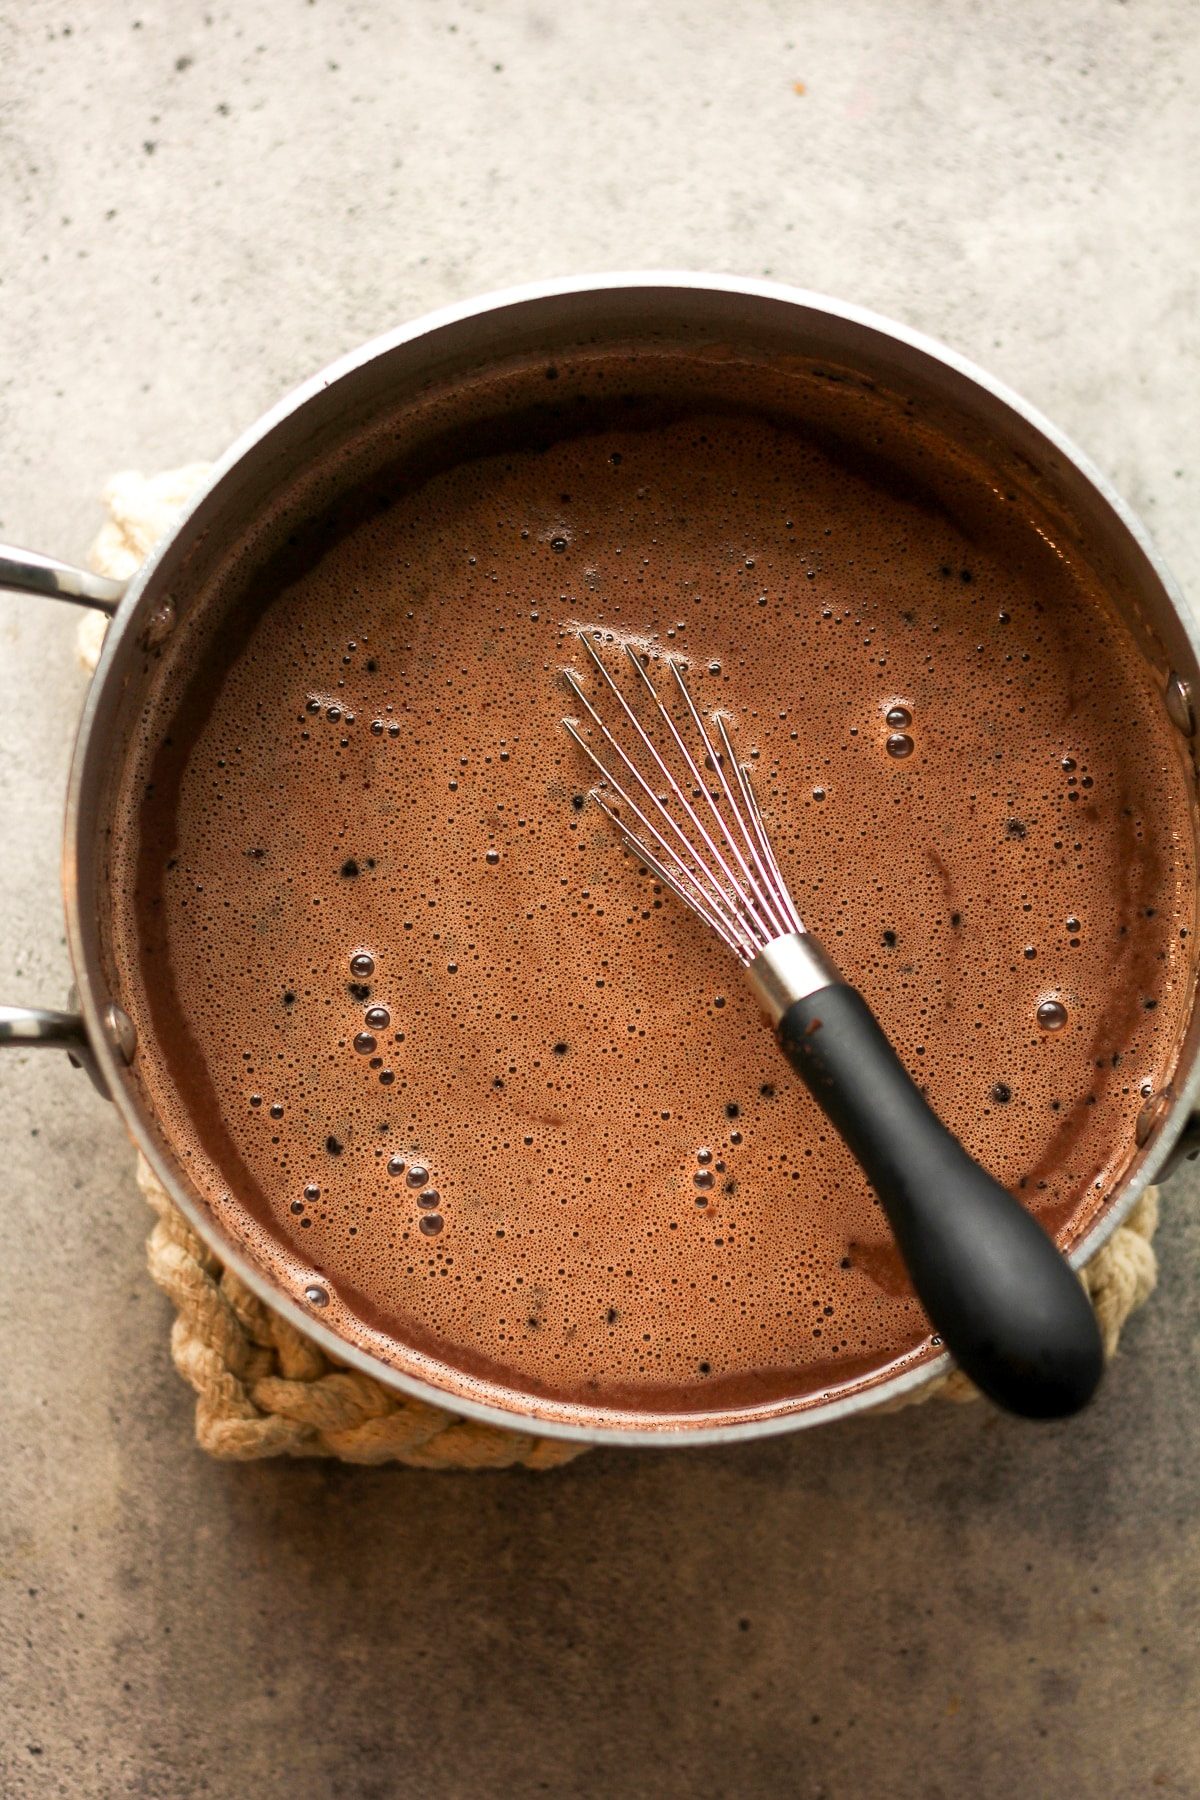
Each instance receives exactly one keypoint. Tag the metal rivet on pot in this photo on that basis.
(120, 1030)
(1178, 699)
(161, 624)
(1152, 1116)
(316, 1296)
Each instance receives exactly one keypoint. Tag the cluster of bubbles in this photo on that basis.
(899, 743)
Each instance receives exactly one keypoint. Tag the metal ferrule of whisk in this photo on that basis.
(690, 814)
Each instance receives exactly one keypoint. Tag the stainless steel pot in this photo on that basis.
(322, 420)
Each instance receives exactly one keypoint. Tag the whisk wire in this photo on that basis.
(704, 900)
(744, 900)
(778, 885)
(766, 899)
(654, 800)
(747, 903)
(726, 927)
(692, 863)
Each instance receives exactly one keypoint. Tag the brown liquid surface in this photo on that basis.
(636, 1207)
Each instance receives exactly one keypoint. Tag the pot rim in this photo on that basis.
(78, 825)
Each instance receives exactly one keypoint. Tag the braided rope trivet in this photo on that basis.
(262, 1388)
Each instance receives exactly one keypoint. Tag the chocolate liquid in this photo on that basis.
(424, 1038)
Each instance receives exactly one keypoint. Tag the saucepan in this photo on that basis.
(312, 444)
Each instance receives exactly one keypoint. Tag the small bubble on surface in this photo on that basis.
(417, 1176)
(395, 1165)
(493, 857)
(378, 1018)
(364, 1043)
(312, 1191)
(431, 1224)
(703, 1178)
(1051, 1015)
(899, 745)
(362, 965)
(316, 1296)
(898, 717)
(430, 1198)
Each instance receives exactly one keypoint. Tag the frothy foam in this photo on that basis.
(428, 1042)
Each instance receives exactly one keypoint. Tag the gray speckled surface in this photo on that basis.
(199, 204)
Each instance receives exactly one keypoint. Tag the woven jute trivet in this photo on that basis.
(262, 1388)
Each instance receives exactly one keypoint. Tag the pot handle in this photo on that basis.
(35, 1028)
(25, 572)
(26, 1027)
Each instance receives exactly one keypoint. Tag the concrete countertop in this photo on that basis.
(201, 203)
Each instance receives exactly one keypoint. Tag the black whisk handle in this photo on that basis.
(1005, 1302)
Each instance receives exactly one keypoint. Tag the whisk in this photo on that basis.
(996, 1289)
